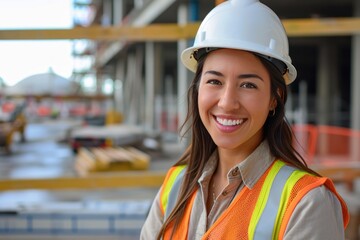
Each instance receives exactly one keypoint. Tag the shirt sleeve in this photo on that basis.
(317, 216)
(154, 220)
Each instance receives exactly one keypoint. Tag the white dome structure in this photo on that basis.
(45, 83)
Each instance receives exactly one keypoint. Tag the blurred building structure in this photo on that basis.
(148, 78)
(127, 59)
(130, 50)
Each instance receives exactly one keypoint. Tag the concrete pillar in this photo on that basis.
(99, 81)
(182, 71)
(159, 76)
(133, 87)
(118, 11)
(149, 85)
(119, 85)
(153, 75)
(355, 88)
(326, 92)
(107, 13)
(303, 98)
(355, 75)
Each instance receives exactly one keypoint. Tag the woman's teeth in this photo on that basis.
(229, 122)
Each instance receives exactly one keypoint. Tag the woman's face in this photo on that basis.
(234, 99)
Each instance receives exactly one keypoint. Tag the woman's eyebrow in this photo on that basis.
(241, 76)
(219, 74)
(250, 75)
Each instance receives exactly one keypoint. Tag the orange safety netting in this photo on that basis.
(327, 145)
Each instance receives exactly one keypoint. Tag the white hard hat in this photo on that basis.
(245, 25)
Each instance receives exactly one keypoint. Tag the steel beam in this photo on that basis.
(173, 32)
(127, 179)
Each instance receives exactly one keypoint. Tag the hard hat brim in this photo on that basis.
(190, 62)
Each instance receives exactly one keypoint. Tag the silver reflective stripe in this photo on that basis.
(266, 224)
(174, 192)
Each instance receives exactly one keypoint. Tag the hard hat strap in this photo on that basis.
(199, 53)
(281, 66)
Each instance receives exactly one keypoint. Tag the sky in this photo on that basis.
(22, 58)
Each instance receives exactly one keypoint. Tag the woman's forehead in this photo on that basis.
(236, 60)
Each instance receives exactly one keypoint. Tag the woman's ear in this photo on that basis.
(273, 104)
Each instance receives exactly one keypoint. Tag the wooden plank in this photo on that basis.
(174, 32)
(129, 179)
(85, 161)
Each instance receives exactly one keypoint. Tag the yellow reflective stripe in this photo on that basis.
(263, 197)
(290, 183)
(168, 185)
(265, 226)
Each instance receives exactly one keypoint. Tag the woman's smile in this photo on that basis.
(228, 125)
(229, 122)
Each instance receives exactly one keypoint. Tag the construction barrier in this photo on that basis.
(328, 145)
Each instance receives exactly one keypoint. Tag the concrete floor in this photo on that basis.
(45, 154)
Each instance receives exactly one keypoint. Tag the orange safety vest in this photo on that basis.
(262, 212)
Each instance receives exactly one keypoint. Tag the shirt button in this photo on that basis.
(224, 193)
(235, 172)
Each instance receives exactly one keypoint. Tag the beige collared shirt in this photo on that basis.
(317, 216)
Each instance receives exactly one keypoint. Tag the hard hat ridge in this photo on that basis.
(242, 3)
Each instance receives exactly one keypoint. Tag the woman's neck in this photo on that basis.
(228, 158)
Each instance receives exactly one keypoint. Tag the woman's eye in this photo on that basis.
(213, 82)
(248, 85)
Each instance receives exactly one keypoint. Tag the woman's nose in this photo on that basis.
(229, 99)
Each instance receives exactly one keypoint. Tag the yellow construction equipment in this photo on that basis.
(15, 123)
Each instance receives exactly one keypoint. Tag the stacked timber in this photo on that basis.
(110, 159)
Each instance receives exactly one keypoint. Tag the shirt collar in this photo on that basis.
(209, 167)
(254, 166)
(251, 169)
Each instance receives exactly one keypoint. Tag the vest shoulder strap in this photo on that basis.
(170, 189)
(267, 211)
(301, 188)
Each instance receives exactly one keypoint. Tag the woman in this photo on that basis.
(241, 178)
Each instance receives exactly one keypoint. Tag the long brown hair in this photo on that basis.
(277, 131)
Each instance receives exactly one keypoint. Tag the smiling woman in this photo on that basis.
(240, 177)
(20, 59)
(229, 89)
